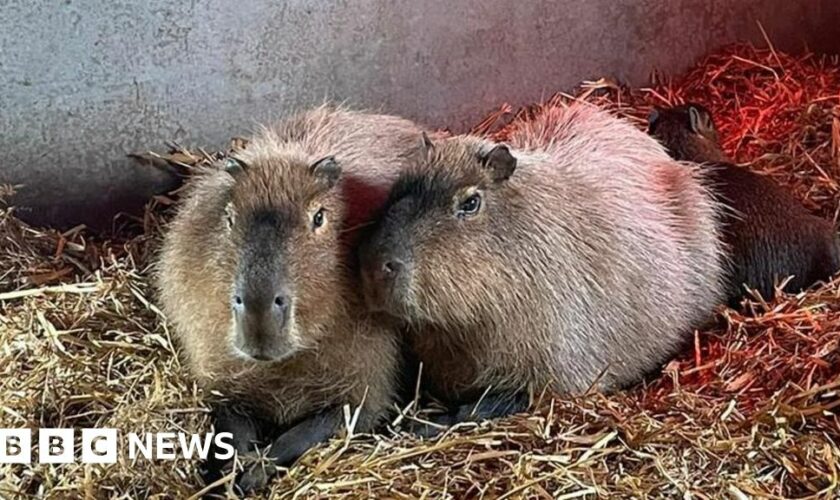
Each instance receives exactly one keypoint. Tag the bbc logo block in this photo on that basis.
(55, 446)
(16, 446)
(101, 446)
(58, 446)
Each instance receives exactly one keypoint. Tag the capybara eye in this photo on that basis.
(470, 206)
(319, 218)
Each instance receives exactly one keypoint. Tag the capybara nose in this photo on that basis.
(261, 317)
(281, 303)
(391, 269)
(261, 304)
(270, 312)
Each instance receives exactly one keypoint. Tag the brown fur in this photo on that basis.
(369, 147)
(342, 356)
(596, 258)
(769, 235)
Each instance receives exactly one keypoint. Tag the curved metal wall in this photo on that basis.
(82, 82)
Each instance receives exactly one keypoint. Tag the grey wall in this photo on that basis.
(82, 82)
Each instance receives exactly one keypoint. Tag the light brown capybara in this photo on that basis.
(255, 277)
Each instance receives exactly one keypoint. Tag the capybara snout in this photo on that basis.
(386, 279)
(263, 300)
(388, 266)
(261, 326)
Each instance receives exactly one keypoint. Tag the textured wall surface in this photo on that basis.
(83, 82)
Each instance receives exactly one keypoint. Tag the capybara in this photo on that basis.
(255, 277)
(578, 255)
(769, 235)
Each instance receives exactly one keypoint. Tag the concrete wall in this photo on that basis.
(82, 82)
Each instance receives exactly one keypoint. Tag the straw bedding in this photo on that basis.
(750, 410)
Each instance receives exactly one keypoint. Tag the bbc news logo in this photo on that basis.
(101, 446)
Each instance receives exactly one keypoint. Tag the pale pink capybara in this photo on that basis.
(579, 254)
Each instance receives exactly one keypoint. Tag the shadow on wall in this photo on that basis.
(95, 209)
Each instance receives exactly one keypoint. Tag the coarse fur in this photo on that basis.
(369, 147)
(769, 235)
(589, 266)
(336, 354)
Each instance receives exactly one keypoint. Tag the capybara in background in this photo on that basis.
(578, 255)
(769, 235)
(254, 275)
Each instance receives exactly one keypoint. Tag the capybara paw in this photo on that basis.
(255, 476)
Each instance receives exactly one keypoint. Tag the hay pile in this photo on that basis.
(749, 411)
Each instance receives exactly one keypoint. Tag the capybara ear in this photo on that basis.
(652, 117)
(427, 148)
(500, 162)
(327, 171)
(701, 120)
(234, 166)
